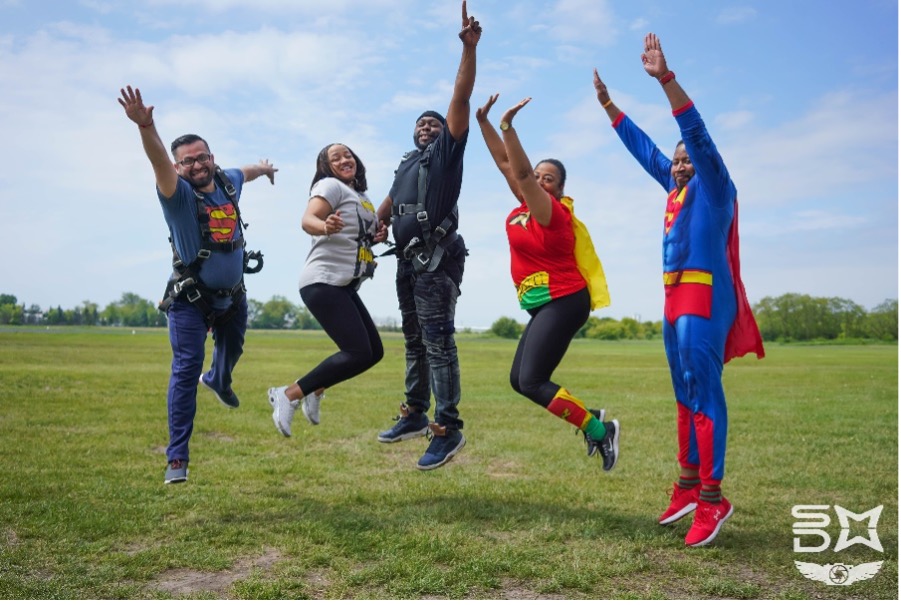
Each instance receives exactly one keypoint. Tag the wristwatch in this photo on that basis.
(505, 125)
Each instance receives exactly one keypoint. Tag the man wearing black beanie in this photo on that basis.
(422, 209)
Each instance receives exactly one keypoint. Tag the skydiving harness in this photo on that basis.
(185, 282)
(426, 252)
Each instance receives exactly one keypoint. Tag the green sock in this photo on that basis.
(688, 482)
(595, 429)
(711, 494)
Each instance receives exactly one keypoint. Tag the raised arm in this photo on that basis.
(137, 112)
(604, 99)
(496, 145)
(655, 64)
(458, 110)
(523, 175)
(705, 158)
(634, 138)
(254, 171)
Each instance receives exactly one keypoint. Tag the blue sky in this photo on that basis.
(801, 97)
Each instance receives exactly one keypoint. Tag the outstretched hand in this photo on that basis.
(482, 112)
(510, 113)
(472, 31)
(652, 58)
(134, 106)
(600, 88)
(268, 170)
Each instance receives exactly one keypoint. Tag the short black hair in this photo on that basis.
(187, 139)
(560, 168)
(324, 169)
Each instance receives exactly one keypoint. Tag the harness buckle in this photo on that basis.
(204, 253)
(181, 285)
(193, 295)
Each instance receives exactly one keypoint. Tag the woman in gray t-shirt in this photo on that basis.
(344, 226)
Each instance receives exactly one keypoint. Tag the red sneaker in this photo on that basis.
(683, 502)
(709, 518)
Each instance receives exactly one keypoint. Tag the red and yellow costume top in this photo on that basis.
(548, 262)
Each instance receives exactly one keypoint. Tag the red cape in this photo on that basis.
(744, 335)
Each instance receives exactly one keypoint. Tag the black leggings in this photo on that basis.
(342, 315)
(543, 344)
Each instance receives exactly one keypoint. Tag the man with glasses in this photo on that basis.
(206, 293)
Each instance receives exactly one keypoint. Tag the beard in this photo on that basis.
(200, 181)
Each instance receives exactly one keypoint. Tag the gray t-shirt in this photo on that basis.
(346, 255)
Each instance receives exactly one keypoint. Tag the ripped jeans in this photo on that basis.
(428, 302)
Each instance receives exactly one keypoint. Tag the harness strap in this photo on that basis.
(426, 252)
(186, 280)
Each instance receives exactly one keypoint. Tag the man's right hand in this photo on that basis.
(134, 107)
(472, 31)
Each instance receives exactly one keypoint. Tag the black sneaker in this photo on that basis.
(594, 446)
(410, 424)
(609, 445)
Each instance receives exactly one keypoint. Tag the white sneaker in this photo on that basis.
(282, 409)
(310, 406)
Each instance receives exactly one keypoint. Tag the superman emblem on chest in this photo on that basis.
(674, 204)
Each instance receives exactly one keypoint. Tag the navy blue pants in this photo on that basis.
(187, 335)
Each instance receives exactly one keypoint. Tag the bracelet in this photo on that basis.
(147, 125)
(607, 104)
(667, 77)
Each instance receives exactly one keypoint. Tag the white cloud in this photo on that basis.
(736, 14)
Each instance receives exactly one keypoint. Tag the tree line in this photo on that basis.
(133, 311)
(786, 318)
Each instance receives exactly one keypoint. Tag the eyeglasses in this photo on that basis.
(189, 162)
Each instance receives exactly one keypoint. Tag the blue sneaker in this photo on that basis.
(226, 398)
(410, 424)
(443, 445)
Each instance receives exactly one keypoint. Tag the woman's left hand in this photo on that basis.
(510, 113)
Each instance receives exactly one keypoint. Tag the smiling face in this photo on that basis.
(427, 130)
(194, 162)
(549, 178)
(682, 168)
(342, 163)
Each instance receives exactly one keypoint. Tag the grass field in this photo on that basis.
(521, 513)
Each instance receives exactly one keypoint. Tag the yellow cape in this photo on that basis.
(587, 259)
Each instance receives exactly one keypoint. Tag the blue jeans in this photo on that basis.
(187, 335)
(428, 302)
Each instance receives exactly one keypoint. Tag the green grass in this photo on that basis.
(331, 513)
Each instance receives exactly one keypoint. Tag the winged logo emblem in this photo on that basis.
(838, 574)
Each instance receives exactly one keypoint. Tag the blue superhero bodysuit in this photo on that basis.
(701, 300)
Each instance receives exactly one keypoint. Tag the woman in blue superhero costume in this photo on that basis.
(707, 319)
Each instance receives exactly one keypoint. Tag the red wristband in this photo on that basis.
(667, 77)
(147, 125)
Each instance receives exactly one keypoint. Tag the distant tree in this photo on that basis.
(10, 311)
(254, 307)
(276, 314)
(607, 328)
(507, 327)
(882, 321)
